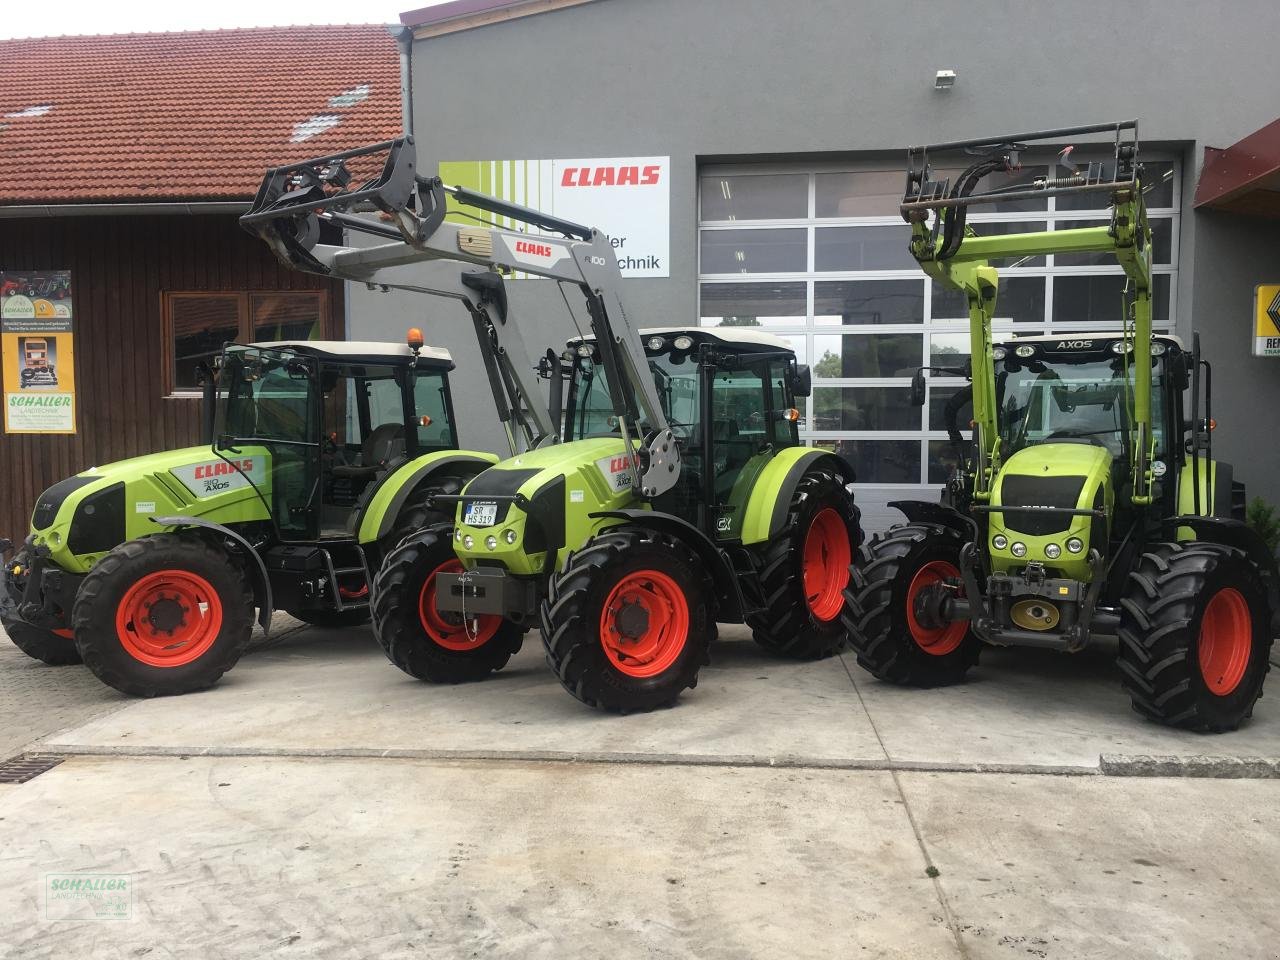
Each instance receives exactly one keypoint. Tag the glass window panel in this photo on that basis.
(285, 316)
(863, 408)
(871, 355)
(870, 302)
(1157, 190)
(1161, 245)
(1096, 300)
(869, 193)
(949, 349)
(1003, 229)
(782, 196)
(879, 461)
(201, 325)
(1020, 299)
(944, 460)
(768, 250)
(753, 304)
(938, 397)
(862, 248)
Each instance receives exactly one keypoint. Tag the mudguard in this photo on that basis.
(770, 498)
(733, 607)
(261, 585)
(383, 507)
(922, 511)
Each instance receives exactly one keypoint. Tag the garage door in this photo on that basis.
(818, 255)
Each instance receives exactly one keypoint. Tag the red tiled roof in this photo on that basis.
(186, 116)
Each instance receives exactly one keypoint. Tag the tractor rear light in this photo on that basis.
(1075, 545)
(491, 542)
(999, 541)
(510, 536)
(1053, 551)
(468, 541)
(1018, 549)
(457, 535)
(791, 415)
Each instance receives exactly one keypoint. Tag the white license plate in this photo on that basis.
(481, 515)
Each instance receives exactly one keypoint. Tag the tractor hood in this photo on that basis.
(1068, 476)
(84, 516)
(559, 487)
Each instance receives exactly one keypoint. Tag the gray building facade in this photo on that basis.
(786, 124)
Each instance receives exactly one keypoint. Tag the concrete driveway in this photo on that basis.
(320, 803)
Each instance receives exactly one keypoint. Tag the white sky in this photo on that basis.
(42, 18)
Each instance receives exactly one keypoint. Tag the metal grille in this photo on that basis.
(22, 769)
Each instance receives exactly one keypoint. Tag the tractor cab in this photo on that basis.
(314, 425)
(729, 396)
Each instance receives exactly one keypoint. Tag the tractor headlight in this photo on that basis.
(1053, 551)
(1019, 549)
(998, 353)
(682, 343)
(468, 541)
(510, 536)
(491, 542)
(1157, 348)
(999, 541)
(656, 343)
(1158, 468)
(584, 350)
(1026, 350)
(1075, 545)
(1120, 346)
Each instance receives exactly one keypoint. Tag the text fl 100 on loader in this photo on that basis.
(1088, 506)
(678, 494)
(322, 457)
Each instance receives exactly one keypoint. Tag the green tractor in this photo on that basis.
(677, 494)
(1088, 506)
(321, 457)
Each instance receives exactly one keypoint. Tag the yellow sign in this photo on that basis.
(37, 366)
(1266, 320)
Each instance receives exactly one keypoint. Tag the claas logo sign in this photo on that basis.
(610, 176)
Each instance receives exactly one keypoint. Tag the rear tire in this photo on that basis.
(635, 660)
(1195, 636)
(421, 640)
(44, 645)
(883, 583)
(163, 615)
(805, 570)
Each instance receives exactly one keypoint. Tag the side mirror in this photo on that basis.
(802, 380)
(917, 388)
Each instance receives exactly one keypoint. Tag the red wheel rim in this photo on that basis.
(825, 565)
(169, 618)
(1226, 640)
(938, 641)
(644, 623)
(449, 630)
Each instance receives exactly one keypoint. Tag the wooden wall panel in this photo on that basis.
(119, 268)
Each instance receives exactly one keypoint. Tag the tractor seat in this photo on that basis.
(383, 443)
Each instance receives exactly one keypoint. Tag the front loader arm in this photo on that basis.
(295, 199)
(948, 250)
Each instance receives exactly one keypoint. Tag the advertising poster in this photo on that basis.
(37, 352)
(1266, 320)
(627, 198)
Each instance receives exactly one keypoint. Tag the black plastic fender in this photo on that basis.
(261, 585)
(922, 511)
(1238, 534)
(412, 482)
(815, 458)
(733, 606)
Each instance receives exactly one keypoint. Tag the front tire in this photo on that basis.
(1195, 636)
(629, 622)
(56, 648)
(879, 608)
(805, 570)
(423, 641)
(163, 615)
